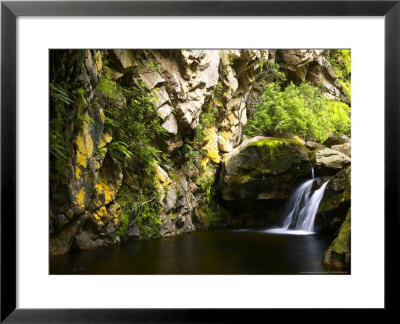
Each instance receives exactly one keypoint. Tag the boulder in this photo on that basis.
(335, 203)
(337, 140)
(313, 145)
(338, 255)
(343, 148)
(60, 243)
(261, 172)
(98, 228)
(328, 162)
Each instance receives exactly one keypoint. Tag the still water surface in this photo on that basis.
(222, 251)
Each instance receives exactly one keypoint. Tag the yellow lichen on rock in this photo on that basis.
(106, 191)
(104, 140)
(162, 176)
(211, 146)
(98, 61)
(113, 212)
(99, 214)
(84, 151)
(80, 198)
(101, 111)
(108, 183)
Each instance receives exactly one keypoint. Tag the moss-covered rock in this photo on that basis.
(264, 167)
(338, 255)
(261, 173)
(336, 202)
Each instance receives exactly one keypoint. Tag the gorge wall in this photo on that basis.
(150, 143)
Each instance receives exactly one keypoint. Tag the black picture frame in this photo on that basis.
(10, 10)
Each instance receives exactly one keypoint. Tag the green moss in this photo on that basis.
(212, 214)
(275, 142)
(342, 243)
(272, 155)
(123, 226)
(346, 88)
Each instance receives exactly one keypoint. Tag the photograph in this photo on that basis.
(200, 161)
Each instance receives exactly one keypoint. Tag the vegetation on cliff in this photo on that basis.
(298, 110)
(139, 138)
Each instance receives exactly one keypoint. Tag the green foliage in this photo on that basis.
(190, 154)
(209, 210)
(118, 151)
(60, 97)
(135, 126)
(60, 93)
(146, 210)
(340, 60)
(86, 119)
(58, 158)
(218, 94)
(270, 72)
(123, 225)
(106, 86)
(208, 118)
(298, 110)
(150, 61)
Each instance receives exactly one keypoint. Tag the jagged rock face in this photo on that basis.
(336, 202)
(311, 66)
(84, 213)
(72, 199)
(262, 171)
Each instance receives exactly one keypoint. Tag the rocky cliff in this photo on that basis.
(139, 137)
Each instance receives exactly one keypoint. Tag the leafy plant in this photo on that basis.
(60, 93)
(118, 151)
(340, 60)
(298, 110)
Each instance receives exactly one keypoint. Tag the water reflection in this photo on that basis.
(244, 251)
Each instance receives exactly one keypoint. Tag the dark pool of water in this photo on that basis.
(222, 251)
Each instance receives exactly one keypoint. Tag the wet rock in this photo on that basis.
(61, 242)
(260, 174)
(263, 165)
(335, 203)
(59, 221)
(338, 255)
(133, 231)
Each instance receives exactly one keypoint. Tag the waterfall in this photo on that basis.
(302, 207)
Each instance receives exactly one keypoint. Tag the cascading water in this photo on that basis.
(302, 207)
